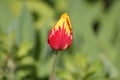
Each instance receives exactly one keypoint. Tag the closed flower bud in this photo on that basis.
(60, 36)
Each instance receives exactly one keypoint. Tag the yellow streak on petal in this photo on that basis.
(65, 46)
(67, 24)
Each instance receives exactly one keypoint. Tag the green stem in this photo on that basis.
(52, 75)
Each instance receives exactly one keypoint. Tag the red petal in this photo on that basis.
(59, 39)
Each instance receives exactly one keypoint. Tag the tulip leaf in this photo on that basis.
(25, 29)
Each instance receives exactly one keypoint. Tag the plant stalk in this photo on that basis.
(52, 75)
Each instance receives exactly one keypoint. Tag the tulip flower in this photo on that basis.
(60, 36)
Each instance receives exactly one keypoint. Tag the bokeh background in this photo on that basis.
(26, 55)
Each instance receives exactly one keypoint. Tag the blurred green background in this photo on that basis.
(26, 55)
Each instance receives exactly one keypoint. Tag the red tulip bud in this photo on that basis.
(60, 36)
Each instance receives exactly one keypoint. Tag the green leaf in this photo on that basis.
(5, 15)
(25, 29)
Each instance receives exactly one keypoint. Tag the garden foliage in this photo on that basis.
(26, 55)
